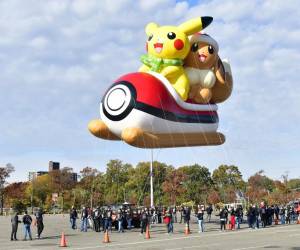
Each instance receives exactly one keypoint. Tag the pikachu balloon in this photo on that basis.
(167, 46)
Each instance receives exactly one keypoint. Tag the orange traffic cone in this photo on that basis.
(106, 237)
(147, 232)
(187, 229)
(63, 242)
(298, 221)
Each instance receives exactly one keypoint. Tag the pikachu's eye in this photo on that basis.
(211, 49)
(171, 35)
(194, 47)
(150, 37)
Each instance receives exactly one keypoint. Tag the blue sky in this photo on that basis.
(57, 57)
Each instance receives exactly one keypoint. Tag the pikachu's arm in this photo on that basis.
(144, 68)
(171, 71)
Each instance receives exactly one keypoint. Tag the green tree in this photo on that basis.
(197, 183)
(117, 174)
(228, 179)
(294, 184)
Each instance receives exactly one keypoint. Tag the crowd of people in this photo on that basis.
(125, 218)
(230, 217)
(102, 219)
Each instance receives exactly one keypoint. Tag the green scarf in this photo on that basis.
(155, 63)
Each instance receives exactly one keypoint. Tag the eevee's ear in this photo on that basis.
(195, 25)
(150, 28)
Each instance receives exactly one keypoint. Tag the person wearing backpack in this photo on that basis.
(27, 220)
(144, 221)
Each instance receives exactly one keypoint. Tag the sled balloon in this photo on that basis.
(144, 110)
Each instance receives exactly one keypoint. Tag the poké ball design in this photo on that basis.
(144, 110)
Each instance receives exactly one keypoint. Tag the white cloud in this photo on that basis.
(39, 42)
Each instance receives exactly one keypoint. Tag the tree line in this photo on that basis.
(123, 182)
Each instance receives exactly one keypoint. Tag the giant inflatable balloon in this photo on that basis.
(156, 107)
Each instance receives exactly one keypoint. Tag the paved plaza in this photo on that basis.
(275, 237)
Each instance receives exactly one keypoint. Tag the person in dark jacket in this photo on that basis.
(27, 220)
(187, 217)
(263, 215)
(200, 217)
(39, 222)
(14, 226)
(84, 219)
(276, 211)
(108, 220)
(144, 220)
(97, 218)
(209, 211)
(223, 215)
(128, 217)
(73, 217)
(120, 219)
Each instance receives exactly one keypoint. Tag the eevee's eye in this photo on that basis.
(171, 35)
(211, 49)
(150, 37)
(194, 47)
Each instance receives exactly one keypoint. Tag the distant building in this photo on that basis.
(31, 176)
(40, 173)
(74, 177)
(53, 166)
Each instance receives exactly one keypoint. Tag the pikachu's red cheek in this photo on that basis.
(147, 47)
(178, 44)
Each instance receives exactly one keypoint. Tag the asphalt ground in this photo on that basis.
(274, 237)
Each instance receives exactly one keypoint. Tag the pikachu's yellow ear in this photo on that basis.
(150, 27)
(195, 25)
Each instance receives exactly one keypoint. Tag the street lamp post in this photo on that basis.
(1, 197)
(31, 178)
(151, 180)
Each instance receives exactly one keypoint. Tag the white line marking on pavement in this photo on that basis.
(254, 247)
(293, 235)
(190, 247)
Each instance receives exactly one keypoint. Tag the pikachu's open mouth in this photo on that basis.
(158, 47)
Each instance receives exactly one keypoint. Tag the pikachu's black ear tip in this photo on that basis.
(206, 20)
